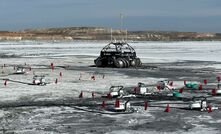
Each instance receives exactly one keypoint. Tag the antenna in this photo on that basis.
(111, 35)
(121, 24)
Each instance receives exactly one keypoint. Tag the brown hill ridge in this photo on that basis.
(100, 33)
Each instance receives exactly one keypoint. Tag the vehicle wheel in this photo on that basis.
(98, 62)
(127, 63)
(133, 63)
(119, 63)
(138, 62)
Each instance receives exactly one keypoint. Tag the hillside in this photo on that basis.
(100, 33)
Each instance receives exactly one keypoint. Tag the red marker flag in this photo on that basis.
(145, 105)
(181, 90)
(213, 92)
(103, 105)
(109, 96)
(205, 82)
(209, 109)
(218, 78)
(158, 87)
(117, 103)
(52, 68)
(135, 90)
(200, 87)
(167, 108)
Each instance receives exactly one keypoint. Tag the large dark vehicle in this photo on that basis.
(119, 55)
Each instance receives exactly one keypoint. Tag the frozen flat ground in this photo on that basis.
(38, 109)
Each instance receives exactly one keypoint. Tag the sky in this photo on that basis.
(152, 15)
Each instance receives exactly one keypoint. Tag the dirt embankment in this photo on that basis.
(100, 33)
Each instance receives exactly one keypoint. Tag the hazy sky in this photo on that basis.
(166, 15)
